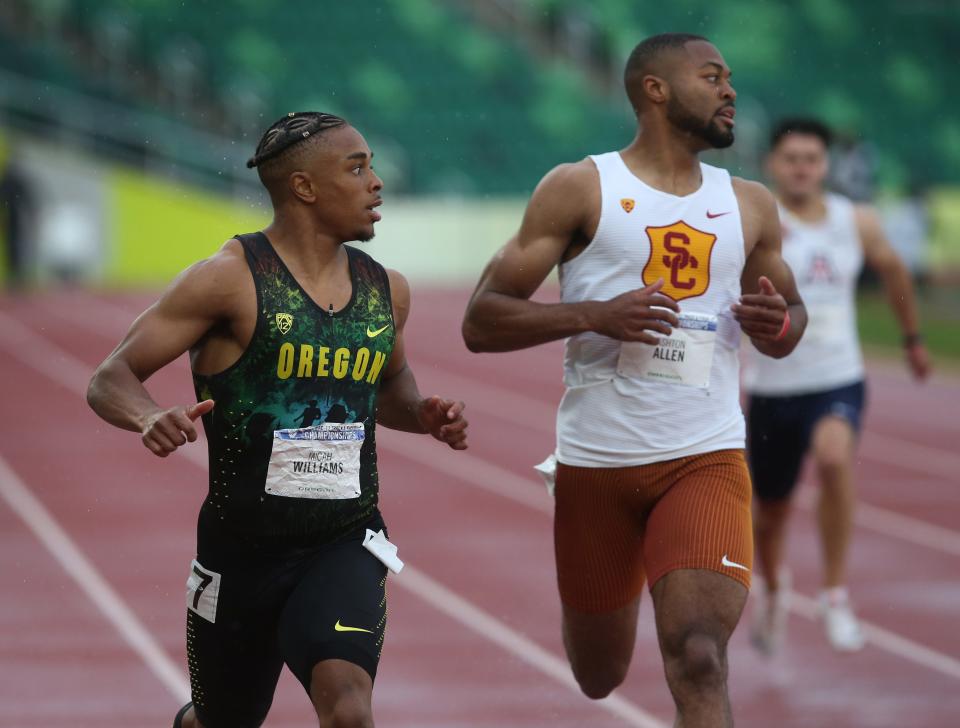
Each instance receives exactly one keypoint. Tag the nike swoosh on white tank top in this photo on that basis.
(632, 404)
(826, 258)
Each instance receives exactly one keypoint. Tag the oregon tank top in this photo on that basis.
(291, 439)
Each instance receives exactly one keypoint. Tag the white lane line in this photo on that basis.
(910, 456)
(536, 415)
(540, 415)
(504, 404)
(489, 477)
(468, 468)
(79, 568)
(494, 478)
(473, 470)
(479, 473)
(38, 353)
(886, 640)
(492, 629)
(424, 453)
(891, 523)
(69, 371)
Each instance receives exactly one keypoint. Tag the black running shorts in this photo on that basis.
(249, 616)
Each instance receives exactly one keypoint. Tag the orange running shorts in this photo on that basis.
(614, 528)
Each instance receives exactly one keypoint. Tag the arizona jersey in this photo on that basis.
(826, 258)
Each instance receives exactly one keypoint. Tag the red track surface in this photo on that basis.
(476, 531)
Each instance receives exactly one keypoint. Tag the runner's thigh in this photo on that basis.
(232, 648)
(703, 520)
(337, 611)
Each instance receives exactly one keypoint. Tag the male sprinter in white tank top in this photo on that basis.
(663, 261)
(813, 399)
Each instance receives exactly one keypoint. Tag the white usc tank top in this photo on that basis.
(631, 403)
(826, 258)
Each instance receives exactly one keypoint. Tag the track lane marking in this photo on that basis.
(67, 370)
(505, 483)
(85, 575)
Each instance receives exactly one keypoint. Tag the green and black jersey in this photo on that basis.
(303, 367)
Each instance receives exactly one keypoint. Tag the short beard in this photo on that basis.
(365, 237)
(684, 120)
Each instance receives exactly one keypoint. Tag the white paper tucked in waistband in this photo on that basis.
(376, 543)
(548, 471)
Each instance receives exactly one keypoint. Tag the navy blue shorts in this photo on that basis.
(779, 430)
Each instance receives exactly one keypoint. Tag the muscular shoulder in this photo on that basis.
(400, 294)
(225, 266)
(567, 198)
(570, 183)
(754, 197)
(571, 177)
(216, 283)
(758, 211)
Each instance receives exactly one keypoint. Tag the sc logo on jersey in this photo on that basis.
(680, 255)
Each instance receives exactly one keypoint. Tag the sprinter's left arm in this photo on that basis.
(770, 310)
(399, 403)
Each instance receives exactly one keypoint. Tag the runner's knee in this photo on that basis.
(351, 712)
(347, 709)
(832, 462)
(341, 701)
(833, 446)
(695, 659)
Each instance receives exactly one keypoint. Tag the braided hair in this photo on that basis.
(284, 133)
(285, 142)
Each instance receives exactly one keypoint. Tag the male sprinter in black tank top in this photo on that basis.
(296, 346)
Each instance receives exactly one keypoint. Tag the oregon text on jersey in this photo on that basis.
(300, 363)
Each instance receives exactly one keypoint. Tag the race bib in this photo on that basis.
(685, 357)
(203, 591)
(321, 462)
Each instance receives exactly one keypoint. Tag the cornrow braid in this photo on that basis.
(287, 131)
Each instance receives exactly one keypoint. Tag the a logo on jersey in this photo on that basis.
(821, 270)
(680, 255)
(627, 204)
(284, 322)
